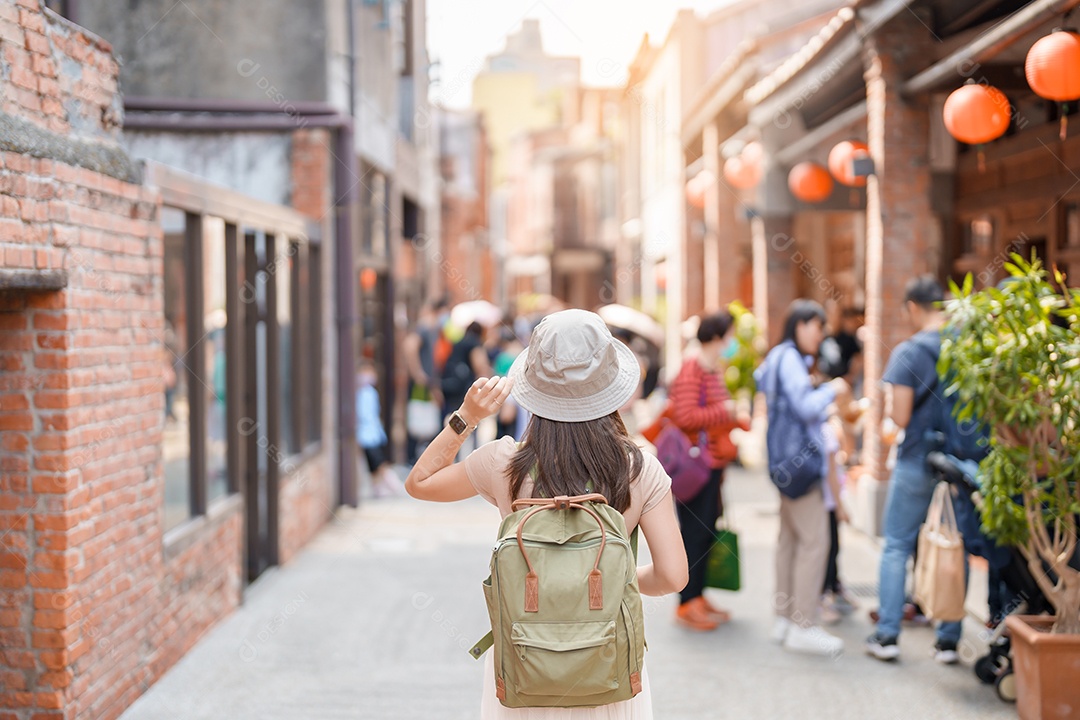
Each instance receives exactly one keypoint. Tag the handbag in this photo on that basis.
(796, 457)
(722, 564)
(686, 464)
(423, 417)
(940, 585)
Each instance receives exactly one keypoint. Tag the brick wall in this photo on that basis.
(306, 493)
(903, 235)
(95, 607)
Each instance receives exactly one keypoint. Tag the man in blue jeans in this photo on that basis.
(913, 400)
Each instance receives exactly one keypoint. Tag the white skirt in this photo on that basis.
(638, 707)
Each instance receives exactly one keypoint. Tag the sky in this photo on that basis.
(605, 34)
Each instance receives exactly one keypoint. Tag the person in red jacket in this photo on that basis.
(699, 401)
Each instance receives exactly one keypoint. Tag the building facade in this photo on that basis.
(189, 275)
(879, 73)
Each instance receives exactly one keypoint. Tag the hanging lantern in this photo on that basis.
(368, 279)
(697, 186)
(741, 173)
(810, 182)
(745, 170)
(840, 162)
(1052, 68)
(976, 114)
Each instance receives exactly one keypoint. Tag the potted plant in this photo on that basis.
(1013, 356)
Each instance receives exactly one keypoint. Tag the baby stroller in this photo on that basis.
(1023, 595)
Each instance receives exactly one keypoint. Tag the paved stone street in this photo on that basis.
(372, 620)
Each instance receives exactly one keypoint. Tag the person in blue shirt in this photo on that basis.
(371, 436)
(803, 546)
(913, 400)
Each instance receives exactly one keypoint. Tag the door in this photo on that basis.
(259, 417)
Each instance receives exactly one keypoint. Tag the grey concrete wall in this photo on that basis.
(256, 164)
(267, 50)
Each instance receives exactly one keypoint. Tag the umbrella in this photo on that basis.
(481, 311)
(627, 318)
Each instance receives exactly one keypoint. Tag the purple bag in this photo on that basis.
(687, 464)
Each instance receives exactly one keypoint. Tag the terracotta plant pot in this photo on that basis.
(1047, 667)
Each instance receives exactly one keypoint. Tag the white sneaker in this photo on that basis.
(780, 630)
(812, 640)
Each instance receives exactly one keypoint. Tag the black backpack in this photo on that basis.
(966, 439)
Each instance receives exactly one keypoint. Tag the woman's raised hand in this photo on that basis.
(484, 398)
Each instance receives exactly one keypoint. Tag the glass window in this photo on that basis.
(176, 438)
(283, 271)
(215, 322)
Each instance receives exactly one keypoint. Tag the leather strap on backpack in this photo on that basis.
(561, 502)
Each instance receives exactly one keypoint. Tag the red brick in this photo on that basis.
(55, 522)
(60, 679)
(12, 579)
(19, 659)
(50, 700)
(12, 561)
(16, 421)
(24, 78)
(14, 401)
(31, 20)
(36, 42)
(54, 639)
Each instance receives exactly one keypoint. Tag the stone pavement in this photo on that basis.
(372, 621)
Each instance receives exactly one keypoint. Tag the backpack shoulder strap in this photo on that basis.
(929, 389)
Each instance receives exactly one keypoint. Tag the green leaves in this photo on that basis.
(1013, 353)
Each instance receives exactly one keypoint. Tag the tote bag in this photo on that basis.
(423, 417)
(940, 588)
(722, 565)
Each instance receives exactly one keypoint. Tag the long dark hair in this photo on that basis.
(566, 456)
(801, 311)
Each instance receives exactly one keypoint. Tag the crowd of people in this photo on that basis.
(811, 383)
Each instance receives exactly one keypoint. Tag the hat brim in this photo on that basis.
(578, 409)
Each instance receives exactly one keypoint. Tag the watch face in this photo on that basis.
(457, 424)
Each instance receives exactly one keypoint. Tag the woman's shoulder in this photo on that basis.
(652, 472)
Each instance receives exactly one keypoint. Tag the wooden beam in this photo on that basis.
(950, 70)
(33, 280)
(810, 141)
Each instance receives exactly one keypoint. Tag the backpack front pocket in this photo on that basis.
(570, 659)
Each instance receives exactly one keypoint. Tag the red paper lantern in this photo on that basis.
(744, 171)
(368, 279)
(976, 114)
(840, 158)
(1052, 66)
(740, 173)
(810, 182)
(697, 186)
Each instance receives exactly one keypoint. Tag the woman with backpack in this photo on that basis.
(573, 379)
(798, 411)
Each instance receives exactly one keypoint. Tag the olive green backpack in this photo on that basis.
(565, 610)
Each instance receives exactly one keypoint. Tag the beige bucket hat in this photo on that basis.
(573, 369)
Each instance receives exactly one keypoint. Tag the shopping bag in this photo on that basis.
(423, 416)
(940, 587)
(722, 565)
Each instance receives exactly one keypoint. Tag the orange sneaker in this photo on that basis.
(693, 615)
(720, 615)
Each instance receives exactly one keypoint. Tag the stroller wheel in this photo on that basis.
(1006, 686)
(986, 669)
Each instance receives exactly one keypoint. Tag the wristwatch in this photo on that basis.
(458, 423)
